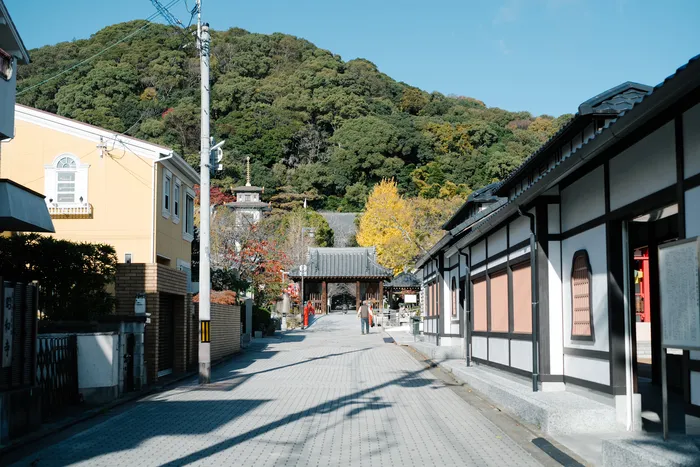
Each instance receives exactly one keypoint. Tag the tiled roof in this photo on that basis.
(613, 102)
(403, 280)
(342, 263)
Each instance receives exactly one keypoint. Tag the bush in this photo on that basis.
(73, 277)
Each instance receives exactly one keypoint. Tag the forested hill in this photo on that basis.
(311, 122)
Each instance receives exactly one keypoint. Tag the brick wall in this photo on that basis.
(154, 280)
(225, 330)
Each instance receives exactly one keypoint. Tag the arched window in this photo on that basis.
(581, 297)
(455, 303)
(66, 170)
(66, 183)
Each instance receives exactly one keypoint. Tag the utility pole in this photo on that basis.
(204, 227)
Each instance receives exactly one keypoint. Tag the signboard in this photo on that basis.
(410, 298)
(8, 306)
(140, 304)
(680, 294)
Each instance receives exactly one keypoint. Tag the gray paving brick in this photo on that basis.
(324, 397)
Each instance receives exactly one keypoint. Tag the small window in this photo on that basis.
(176, 201)
(581, 295)
(167, 187)
(188, 224)
(127, 258)
(454, 297)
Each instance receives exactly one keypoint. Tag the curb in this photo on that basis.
(57, 427)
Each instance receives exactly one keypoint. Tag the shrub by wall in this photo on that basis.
(73, 277)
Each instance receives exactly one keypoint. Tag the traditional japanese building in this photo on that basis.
(537, 279)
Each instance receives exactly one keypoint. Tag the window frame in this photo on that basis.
(166, 202)
(7, 65)
(80, 182)
(578, 337)
(188, 236)
(175, 200)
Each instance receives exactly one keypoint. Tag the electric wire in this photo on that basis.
(109, 47)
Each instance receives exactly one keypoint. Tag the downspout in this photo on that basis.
(153, 205)
(467, 311)
(535, 297)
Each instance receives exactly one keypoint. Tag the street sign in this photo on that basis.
(140, 304)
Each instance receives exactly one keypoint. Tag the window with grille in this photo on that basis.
(581, 319)
(65, 180)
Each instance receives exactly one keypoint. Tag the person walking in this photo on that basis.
(363, 314)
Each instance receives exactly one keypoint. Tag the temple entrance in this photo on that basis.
(341, 277)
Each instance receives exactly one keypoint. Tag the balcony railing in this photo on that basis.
(84, 211)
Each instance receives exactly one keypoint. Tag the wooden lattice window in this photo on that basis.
(454, 297)
(581, 297)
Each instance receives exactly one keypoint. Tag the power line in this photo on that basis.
(128, 36)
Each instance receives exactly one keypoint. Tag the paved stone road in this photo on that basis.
(324, 397)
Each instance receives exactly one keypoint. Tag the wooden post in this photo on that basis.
(324, 297)
(358, 298)
(381, 295)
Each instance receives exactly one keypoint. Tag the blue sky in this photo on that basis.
(544, 56)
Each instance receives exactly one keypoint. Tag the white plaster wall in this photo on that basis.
(498, 242)
(478, 270)
(478, 252)
(589, 369)
(498, 350)
(518, 254)
(556, 312)
(593, 241)
(583, 200)
(493, 264)
(98, 360)
(454, 328)
(521, 355)
(644, 168)
(479, 344)
(553, 218)
(691, 141)
(520, 229)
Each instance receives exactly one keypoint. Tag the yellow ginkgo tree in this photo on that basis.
(387, 224)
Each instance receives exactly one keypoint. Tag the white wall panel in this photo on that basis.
(691, 141)
(556, 318)
(498, 242)
(583, 200)
(479, 347)
(590, 369)
(645, 168)
(498, 350)
(493, 264)
(521, 355)
(553, 218)
(692, 213)
(520, 229)
(593, 241)
(478, 252)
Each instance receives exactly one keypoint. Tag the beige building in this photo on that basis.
(106, 187)
(103, 187)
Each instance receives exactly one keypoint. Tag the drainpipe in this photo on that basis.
(535, 297)
(467, 311)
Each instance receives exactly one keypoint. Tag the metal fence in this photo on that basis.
(57, 374)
